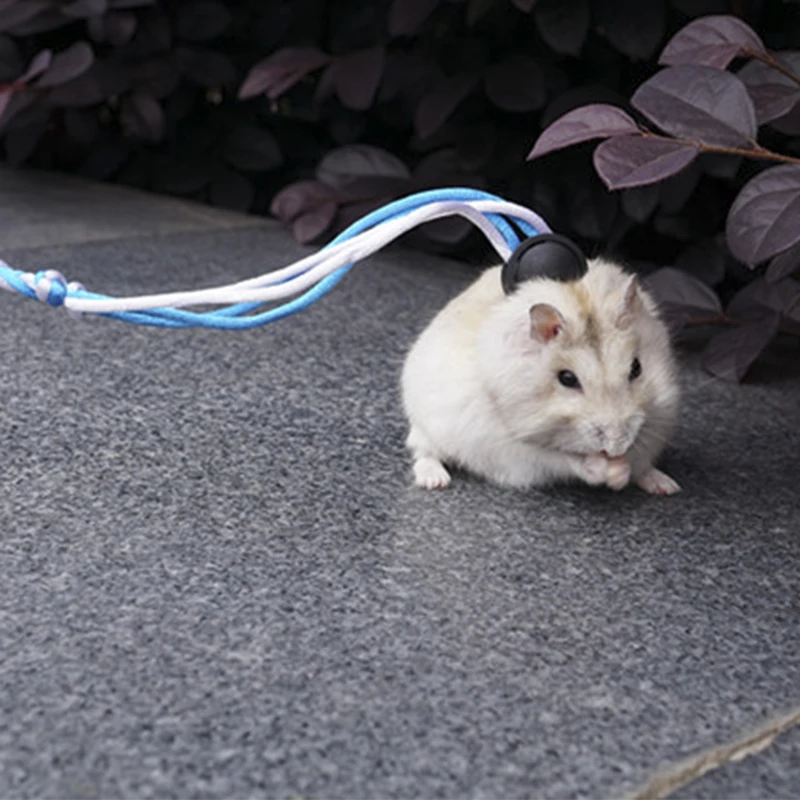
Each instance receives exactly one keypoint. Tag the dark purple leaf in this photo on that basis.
(154, 34)
(23, 112)
(563, 24)
(477, 9)
(699, 104)
(443, 168)
(516, 84)
(84, 8)
(13, 104)
(326, 84)
(115, 27)
(577, 96)
(201, 20)
(760, 296)
(682, 297)
(347, 127)
(67, 64)
(764, 219)
(156, 76)
(312, 224)
(730, 353)
(640, 202)
(282, 70)
(789, 124)
(40, 62)
(142, 117)
(773, 102)
(676, 191)
(299, 198)
(253, 149)
(406, 76)
(356, 77)
(524, 5)
(357, 165)
(673, 226)
(720, 165)
(774, 94)
(5, 99)
(15, 14)
(206, 68)
(47, 19)
(784, 264)
(594, 121)
(437, 106)
(229, 189)
(713, 41)
(10, 59)
(634, 27)
(592, 210)
(705, 260)
(407, 15)
(97, 84)
(626, 161)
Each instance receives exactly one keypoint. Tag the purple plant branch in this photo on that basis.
(755, 152)
(770, 61)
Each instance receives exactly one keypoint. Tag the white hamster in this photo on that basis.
(554, 381)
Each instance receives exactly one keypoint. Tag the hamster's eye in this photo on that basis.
(636, 370)
(569, 379)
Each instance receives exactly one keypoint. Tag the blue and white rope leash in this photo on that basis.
(311, 277)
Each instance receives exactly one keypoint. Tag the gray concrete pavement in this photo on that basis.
(218, 580)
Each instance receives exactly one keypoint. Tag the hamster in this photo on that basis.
(556, 381)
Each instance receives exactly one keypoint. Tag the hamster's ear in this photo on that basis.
(630, 304)
(546, 322)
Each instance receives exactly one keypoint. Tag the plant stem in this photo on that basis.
(755, 152)
(773, 62)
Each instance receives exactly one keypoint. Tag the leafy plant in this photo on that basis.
(694, 106)
(319, 110)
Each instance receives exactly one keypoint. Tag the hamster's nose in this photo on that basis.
(614, 441)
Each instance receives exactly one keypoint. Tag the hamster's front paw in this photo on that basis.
(594, 469)
(619, 473)
(654, 481)
(430, 473)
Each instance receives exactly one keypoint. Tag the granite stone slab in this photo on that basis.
(38, 209)
(774, 772)
(219, 581)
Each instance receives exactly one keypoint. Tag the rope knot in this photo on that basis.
(50, 286)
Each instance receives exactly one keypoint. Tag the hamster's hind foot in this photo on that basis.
(654, 481)
(430, 473)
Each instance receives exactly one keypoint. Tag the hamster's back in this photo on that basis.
(443, 359)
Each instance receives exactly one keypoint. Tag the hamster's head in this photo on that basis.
(581, 367)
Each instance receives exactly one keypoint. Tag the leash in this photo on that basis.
(313, 277)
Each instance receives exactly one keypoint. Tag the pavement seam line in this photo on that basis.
(672, 778)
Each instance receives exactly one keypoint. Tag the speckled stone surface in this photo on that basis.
(43, 208)
(775, 772)
(218, 580)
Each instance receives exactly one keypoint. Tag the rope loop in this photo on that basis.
(50, 287)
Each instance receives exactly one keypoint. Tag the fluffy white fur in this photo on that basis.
(481, 389)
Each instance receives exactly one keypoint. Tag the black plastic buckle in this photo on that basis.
(546, 255)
